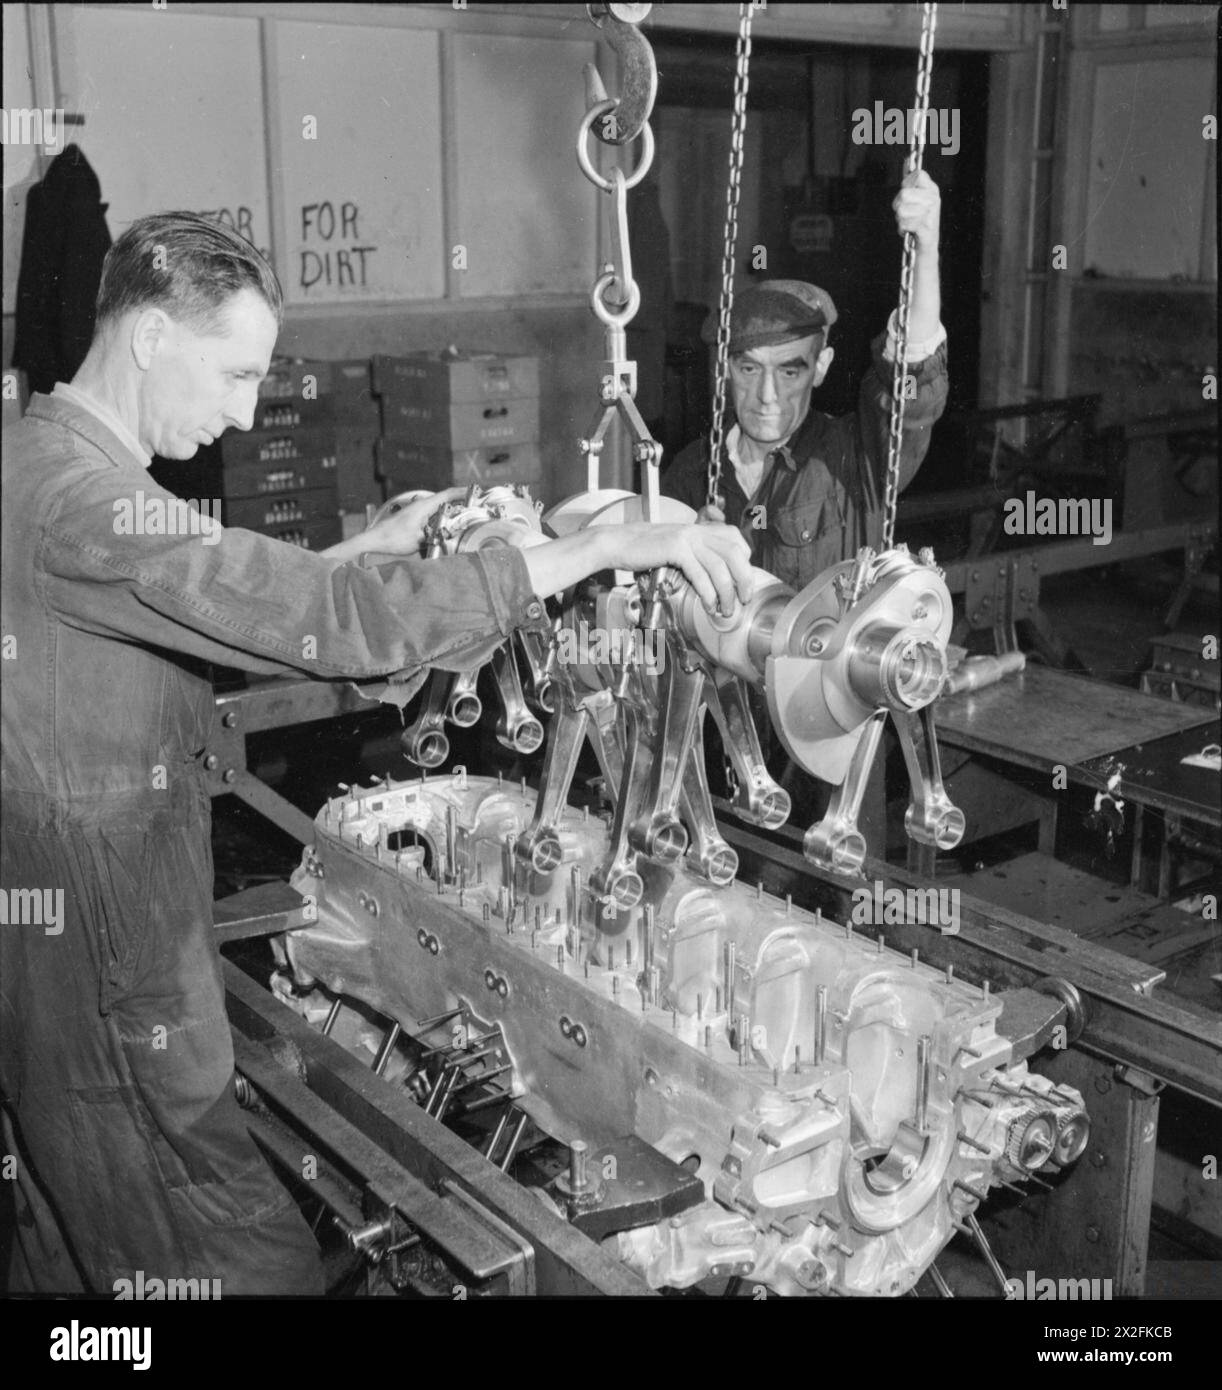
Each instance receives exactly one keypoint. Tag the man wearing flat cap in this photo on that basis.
(806, 488)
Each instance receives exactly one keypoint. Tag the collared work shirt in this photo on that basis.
(821, 496)
(73, 395)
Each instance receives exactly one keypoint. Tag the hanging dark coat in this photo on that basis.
(62, 250)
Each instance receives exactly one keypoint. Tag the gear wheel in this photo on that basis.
(1073, 1135)
(1031, 1139)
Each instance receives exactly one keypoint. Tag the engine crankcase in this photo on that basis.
(844, 1106)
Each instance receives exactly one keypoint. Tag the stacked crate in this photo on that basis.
(278, 478)
(453, 418)
(358, 427)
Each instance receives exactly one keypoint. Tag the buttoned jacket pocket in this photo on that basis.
(803, 539)
(796, 526)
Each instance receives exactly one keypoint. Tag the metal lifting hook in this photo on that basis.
(625, 120)
(615, 296)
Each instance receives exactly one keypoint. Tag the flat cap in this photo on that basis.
(772, 312)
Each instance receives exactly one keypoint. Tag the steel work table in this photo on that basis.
(1153, 775)
(1044, 718)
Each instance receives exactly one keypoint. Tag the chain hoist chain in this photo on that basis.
(742, 61)
(895, 433)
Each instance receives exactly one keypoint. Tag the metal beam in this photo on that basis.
(265, 910)
(443, 1222)
(1083, 554)
(273, 704)
(566, 1262)
(271, 804)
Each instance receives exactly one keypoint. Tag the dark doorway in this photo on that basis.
(816, 205)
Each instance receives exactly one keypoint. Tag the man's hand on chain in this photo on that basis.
(918, 209)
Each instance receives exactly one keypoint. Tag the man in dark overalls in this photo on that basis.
(806, 488)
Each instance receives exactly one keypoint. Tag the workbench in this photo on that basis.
(1044, 720)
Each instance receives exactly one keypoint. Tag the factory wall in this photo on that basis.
(1134, 313)
(196, 107)
(475, 150)
(440, 202)
(1138, 292)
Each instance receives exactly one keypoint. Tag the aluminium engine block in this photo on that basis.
(844, 1107)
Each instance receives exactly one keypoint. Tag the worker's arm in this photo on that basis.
(401, 533)
(923, 408)
(918, 209)
(237, 598)
(716, 559)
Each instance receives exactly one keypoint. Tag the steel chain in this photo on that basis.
(742, 62)
(895, 431)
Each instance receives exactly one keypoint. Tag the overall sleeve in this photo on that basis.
(921, 413)
(241, 599)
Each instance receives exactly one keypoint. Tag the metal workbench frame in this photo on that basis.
(1003, 589)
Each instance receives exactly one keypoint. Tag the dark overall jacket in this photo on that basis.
(116, 1062)
(822, 494)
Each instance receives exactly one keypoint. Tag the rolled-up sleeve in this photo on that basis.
(241, 599)
(921, 411)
